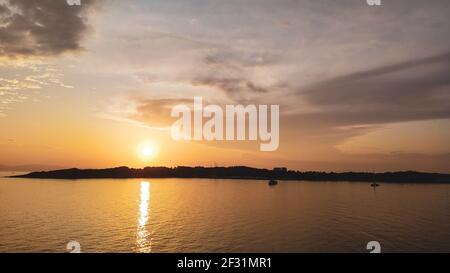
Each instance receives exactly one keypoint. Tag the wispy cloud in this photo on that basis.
(27, 83)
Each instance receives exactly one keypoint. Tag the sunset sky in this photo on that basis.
(360, 87)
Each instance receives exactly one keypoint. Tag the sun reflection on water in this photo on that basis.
(143, 240)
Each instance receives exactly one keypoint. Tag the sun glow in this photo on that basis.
(147, 150)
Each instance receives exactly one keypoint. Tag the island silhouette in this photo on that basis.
(239, 172)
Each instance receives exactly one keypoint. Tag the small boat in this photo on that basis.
(374, 185)
(273, 182)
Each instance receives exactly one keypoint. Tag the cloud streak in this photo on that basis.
(417, 89)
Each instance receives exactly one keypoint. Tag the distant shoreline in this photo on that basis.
(240, 172)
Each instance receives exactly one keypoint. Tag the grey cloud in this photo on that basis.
(437, 59)
(250, 59)
(413, 90)
(42, 27)
(230, 71)
(230, 85)
(4, 11)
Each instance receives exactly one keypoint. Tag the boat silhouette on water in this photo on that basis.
(273, 182)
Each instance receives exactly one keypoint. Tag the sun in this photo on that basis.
(147, 150)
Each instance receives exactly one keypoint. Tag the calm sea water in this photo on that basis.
(204, 215)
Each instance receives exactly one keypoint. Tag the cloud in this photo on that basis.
(244, 76)
(231, 85)
(30, 28)
(144, 112)
(28, 83)
(156, 112)
(417, 89)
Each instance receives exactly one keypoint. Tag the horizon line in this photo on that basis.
(279, 168)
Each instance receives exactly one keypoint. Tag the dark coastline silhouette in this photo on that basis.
(240, 172)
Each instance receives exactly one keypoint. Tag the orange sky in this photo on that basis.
(359, 87)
